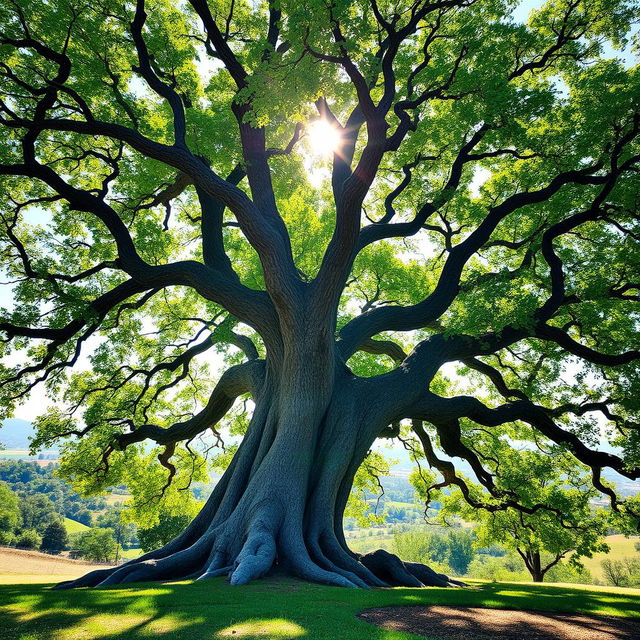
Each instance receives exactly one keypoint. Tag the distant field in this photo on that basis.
(14, 454)
(130, 554)
(364, 544)
(114, 498)
(621, 547)
(18, 566)
(403, 505)
(72, 526)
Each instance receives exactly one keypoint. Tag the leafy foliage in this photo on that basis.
(10, 514)
(54, 538)
(97, 545)
(167, 529)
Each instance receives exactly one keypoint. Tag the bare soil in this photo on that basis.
(475, 623)
(23, 562)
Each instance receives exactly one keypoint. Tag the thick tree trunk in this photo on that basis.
(280, 503)
(533, 562)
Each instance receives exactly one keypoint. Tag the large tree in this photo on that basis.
(161, 204)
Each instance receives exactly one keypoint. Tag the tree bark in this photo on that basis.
(533, 562)
(280, 503)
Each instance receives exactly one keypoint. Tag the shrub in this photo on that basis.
(508, 568)
(28, 539)
(565, 572)
(98, 545)
(7, 538)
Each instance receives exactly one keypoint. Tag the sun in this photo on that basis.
(324, 138)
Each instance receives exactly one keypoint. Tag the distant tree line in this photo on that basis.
(30, 522)
(31, 481)
(459, 551)
(34, 503)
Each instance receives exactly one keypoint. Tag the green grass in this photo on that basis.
(621, 547)
(130, 554)
(74, 527)
(273, 608)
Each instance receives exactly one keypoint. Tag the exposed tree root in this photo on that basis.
(258, 557)
(431, 578)
(405, 574)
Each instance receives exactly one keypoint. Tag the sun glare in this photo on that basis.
(324, 138)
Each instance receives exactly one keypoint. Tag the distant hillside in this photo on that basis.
(15, 433)
(73, 526)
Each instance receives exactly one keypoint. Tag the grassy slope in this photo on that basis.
(130, 554)
(621, 547)
(72, 526)
(274, 608)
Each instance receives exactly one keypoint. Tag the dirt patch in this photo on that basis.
(35, 563)
(475, 623)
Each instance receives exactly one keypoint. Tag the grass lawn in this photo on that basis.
(274, 608)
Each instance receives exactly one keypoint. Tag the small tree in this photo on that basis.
(98, 545)
(10, 516)
(621, 573)
(461, 551)
(615, 572)
(55, 537)
(557, 520)
(38, 512)
(125, 532)
(28, 539)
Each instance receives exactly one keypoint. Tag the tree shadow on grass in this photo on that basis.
(210, 610)
(272, 608)
(531, 597)
(484, 623)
